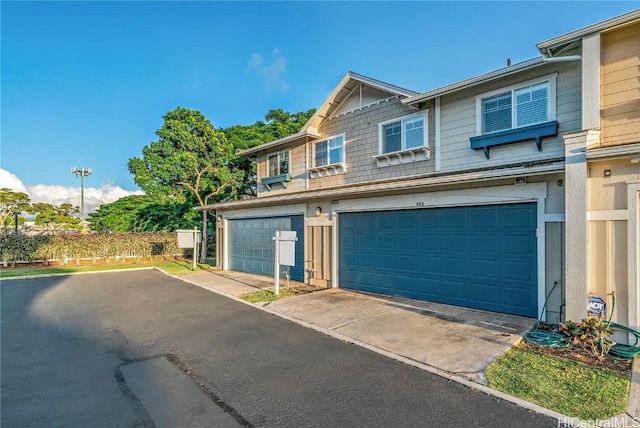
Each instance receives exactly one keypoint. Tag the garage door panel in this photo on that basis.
(481, 257)
(252, 250)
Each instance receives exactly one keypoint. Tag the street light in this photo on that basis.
(82, 173)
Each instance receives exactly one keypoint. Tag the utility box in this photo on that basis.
(188, 238)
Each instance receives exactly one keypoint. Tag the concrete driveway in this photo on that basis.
(453, 339)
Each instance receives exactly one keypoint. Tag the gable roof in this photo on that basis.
(556, 44)
(347, 86)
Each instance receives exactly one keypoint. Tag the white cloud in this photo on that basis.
(272, 71)
(55, 194)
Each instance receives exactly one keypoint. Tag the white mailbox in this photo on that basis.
(187, 238)
(287, 244)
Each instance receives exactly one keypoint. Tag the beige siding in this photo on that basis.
(458, 117)
(361, 144)
(620, 86)
(608, 264)
(610, 193)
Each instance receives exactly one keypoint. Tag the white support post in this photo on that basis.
(276, 282)
(195, 247)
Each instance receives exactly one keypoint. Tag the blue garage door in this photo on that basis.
(252, 250)
(481, 257)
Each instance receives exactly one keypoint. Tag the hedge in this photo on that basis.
(42, 247)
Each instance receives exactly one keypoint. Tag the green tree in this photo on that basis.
(120, 215)
(279, 124)
(10, 202)
(165, 217)
(63, 216)
(190, 159)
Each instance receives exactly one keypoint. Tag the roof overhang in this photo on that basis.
(397, 185)
(556, 45)
(349, 83)
(302, 136)
(475, 81)
(615, 152)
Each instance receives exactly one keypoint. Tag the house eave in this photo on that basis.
(475, 81)
(626, 18)
(302, 135)
(396, 185)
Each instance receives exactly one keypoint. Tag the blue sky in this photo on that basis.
(85, 84)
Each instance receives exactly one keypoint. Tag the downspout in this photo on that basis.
(203, 245)
(306, 165)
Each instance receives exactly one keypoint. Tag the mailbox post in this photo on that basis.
(285, 242)
(189, 239)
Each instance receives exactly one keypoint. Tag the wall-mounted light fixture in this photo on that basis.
(219, 217)
(520, 180)
(607, 173)
(318, 211)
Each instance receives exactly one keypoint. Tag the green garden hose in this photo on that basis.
(546, 338)
(618, 351)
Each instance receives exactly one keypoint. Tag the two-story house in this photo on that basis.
(456, 195)
(603, 167)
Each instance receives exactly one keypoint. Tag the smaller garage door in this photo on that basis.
(251, 247)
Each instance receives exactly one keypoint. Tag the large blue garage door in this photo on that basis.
(481, 257)
(252, 250)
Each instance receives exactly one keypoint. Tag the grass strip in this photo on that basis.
(569, 387)
(266, 295)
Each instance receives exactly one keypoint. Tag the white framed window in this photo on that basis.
(329, 152)
(517, 106)
(403, 133)
(277, 164)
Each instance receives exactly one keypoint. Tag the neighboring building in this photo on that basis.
(456, 195)
(603, 167)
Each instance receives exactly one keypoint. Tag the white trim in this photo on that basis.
(437, 136)
(334, 251)
(279, 210)
(551, 78)
(633, 254)
(607, 215)
(225, 241)
(371, 104)
(402, 119)
(591, 81)
(326, 140)
(531, 192)
(628, 150)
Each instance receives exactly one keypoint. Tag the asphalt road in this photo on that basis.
(66, 339)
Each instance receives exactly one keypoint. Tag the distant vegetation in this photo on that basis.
(190, 164)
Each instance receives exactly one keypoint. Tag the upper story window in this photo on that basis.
(404, 133)
(517, 106)
(518, 113)
(277, 164)
(329, 152)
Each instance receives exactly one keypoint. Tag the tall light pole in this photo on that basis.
(82, 172)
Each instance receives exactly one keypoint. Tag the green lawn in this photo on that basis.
(266, 295)
(569, 387)
(175, 267)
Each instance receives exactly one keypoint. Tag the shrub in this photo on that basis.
(28, 248)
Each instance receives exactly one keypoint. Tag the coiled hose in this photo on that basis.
(618, 351)
(546, 338)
